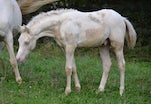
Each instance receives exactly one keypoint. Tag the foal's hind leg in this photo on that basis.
(118, 49)
(106, 61)
(9, 44)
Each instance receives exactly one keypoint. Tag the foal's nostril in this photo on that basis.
(18, 59)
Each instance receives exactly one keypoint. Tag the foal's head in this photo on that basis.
(26, 44)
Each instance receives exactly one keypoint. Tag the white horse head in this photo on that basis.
(26, 43)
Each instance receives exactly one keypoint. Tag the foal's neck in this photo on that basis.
(43, 27)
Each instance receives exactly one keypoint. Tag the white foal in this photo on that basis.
(72, 29)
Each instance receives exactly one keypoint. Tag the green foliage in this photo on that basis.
(44, 80)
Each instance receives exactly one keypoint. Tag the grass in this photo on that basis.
(44, 80)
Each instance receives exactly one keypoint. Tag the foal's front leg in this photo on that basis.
(9, 44)
(69, 52)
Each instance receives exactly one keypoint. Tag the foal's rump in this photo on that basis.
(119, 27)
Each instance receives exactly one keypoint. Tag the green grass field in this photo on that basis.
(44, 80)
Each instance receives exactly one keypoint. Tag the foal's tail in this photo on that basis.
(131, 35)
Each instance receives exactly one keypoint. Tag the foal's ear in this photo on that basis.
(23, 28)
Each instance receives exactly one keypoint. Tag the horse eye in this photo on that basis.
(26, 42)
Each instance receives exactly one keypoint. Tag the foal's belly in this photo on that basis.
(92, 38)
(90, 43)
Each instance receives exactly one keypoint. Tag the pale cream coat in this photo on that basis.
(71, 29)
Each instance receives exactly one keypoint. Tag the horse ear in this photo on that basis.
(23, 28)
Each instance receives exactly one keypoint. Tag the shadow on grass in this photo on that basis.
(2, 69)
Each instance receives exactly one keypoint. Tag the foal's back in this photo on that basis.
(90, 29)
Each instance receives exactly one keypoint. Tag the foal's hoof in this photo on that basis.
(19, 80)
(121, 91)
(78, 88)
(67, 91)
(101, 89)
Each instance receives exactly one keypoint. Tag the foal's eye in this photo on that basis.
(26, 42)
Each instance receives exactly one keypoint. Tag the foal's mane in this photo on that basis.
(49, 13)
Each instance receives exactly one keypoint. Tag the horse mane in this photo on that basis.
(49, 13)
(29, 6)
